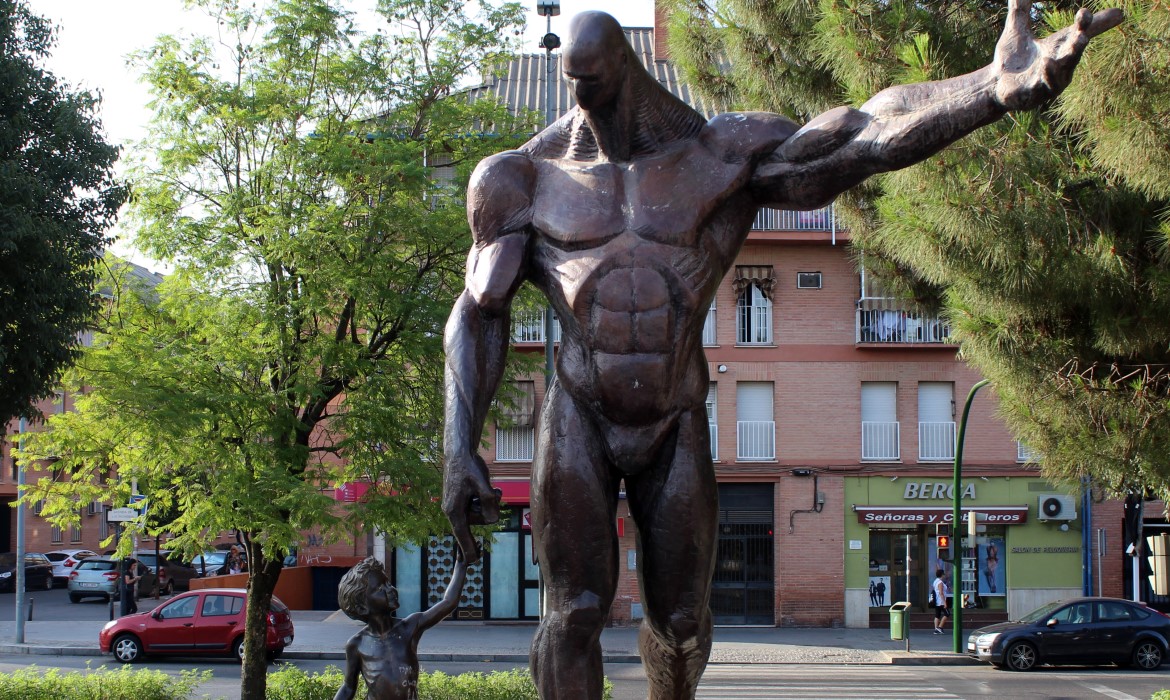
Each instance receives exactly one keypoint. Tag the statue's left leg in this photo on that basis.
(676, 509)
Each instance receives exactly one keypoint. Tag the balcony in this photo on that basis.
(880, 441)
(1025, 454)
(514, 444)
(529, 327)
(885, 321)
(755, 441)
(754, 325)
(936, 442)
(783, 220)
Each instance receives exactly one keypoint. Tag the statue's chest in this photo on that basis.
(660, 200)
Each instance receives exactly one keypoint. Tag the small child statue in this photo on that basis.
(385, 652)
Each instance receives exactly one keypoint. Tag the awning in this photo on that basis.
(514, 491)
(763, 276)
(936, 515)
(519, 411)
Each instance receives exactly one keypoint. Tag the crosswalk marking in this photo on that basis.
(1109, 692)
(789, 683)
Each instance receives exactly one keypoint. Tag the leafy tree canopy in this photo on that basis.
(1043, 236)
(305, 182)
(58, 196)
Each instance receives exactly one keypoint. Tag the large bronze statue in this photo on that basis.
(626, 213)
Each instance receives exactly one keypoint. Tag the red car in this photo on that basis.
(203, 622)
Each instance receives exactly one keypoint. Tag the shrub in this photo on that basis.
(123, 684)
(291, 683)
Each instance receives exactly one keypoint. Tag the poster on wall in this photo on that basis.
(879, 587)
(992, 579)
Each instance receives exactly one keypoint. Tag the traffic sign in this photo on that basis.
(121, 515)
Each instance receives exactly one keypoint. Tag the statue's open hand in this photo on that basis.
(469, 499)
(1032, 71)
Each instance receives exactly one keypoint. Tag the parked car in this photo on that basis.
(63, 561)
(202, 622)
(172, 575)
(38, 572)
(98, 577)
(1076, 631)
(213, 563)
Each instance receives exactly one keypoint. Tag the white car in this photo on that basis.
(64, 560)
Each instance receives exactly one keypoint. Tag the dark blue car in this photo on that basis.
(1077, 631)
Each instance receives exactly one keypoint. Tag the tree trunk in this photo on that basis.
(262, 578)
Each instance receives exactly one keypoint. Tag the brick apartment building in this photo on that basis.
(833, 414)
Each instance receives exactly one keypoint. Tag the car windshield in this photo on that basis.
(1041, 613)
(57, 556)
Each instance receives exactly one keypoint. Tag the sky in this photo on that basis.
(94, 38)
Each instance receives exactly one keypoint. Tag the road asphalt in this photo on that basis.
(322, 635)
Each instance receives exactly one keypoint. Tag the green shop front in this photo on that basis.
(1026, 550)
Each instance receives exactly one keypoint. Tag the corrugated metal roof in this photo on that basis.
(523, 83)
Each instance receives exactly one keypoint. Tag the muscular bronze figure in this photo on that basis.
(626, 213)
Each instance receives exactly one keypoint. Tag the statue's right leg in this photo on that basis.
(574, 501)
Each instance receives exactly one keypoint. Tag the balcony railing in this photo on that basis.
(754, 325)
(884, 321)
(756, 441)
(709, 327)
(514, 444)
(936, 442)
(1025, 454)
(714, 432)
(529, 327)
(880, 441)
(783, 220)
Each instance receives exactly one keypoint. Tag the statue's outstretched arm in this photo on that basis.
(477, 336)
(904, 124)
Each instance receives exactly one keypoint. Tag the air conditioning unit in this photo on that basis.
(1056, 507)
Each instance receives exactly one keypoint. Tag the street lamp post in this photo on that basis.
(956, 519)
(549, 9)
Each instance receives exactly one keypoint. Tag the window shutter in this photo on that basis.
(879, 402)
(935, 403)
(753, 401)
(519, 410)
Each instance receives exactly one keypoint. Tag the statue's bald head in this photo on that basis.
(595, 58)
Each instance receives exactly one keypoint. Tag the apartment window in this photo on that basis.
(753, 290)
(713, 420)
(103, 527)
(936, 421)
(880, 431)
(75, 530)
(1026, 454)
(755, 425)
(515, 431)
(55, 535)
(709, 337)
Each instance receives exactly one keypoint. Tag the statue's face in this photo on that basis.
(595, 60)
(380, 594)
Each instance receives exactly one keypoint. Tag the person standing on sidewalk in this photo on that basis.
(939, 590)
(130, 578)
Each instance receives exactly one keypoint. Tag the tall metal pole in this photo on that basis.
(549, 42)
(956, 519)
(20, 544)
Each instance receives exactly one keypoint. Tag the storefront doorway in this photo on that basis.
(744, 582)
(897, 571)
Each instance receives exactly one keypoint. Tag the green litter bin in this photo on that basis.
(899, 620)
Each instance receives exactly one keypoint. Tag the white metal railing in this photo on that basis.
(1025, 453)
(514, 444)
(784, 220)
(755, 440)
(713, 430)
(709, 327)
(885, 321)
(754, 325)
(880, 441)
(936, 442)
(529, 327)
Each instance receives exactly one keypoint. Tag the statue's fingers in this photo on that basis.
(1019, 16)
(1099, 22)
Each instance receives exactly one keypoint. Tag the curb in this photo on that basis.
(902, 658)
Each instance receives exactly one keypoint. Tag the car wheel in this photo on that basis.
(48, 583)
(1020, 656)
(127, 649)
(239, 648)
(170, 589)
(274, 654)
(1147, 655)
(74, 598)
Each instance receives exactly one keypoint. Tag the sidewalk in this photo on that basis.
(322, 635)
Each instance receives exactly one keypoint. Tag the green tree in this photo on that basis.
(58, 195)
(1043, 236)
(304, 180)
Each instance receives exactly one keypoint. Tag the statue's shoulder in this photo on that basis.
(500, 194)
(744, 134)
